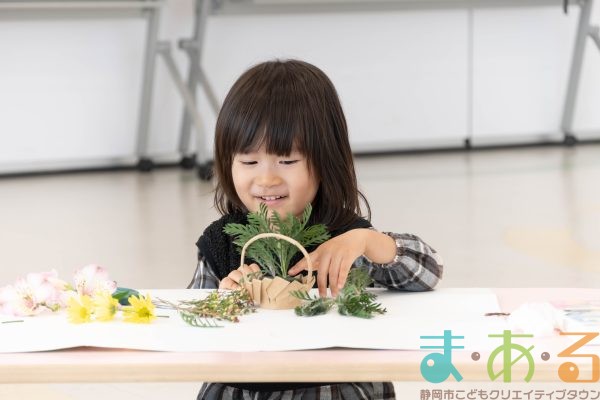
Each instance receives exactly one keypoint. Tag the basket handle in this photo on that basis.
(282, 237)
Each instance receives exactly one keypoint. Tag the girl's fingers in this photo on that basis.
(296, 268)
(322, 275)
(334, 271)
(299, 267)
(254, 267)
(236, 276)
(303, 264)
(228, 284)
(246, 269)
(343, 276)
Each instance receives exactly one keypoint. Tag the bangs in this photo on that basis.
(277, 115)
(276, 138)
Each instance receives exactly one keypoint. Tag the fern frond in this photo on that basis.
(306, 216)
(317, 306)
(273, 255)
(354, 300)
(358, 280)
(197, 321)
(360, 305)
(313, 235)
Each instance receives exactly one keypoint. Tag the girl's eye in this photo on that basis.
(248, 162)
(289, 162)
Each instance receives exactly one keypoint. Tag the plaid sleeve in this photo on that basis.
(335, 391)
(415, 268)
(204, 276)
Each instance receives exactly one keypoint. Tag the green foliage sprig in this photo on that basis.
(313, 305)
(271, 254)
(197, 321)
(217, 305)
(353, 300)
(360, 305)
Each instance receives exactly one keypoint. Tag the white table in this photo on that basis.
(103, 365)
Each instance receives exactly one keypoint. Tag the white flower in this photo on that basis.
(47, 289)
(24, 302)
(33, 294)
(92, 278)
(8, 299)
(42, 291)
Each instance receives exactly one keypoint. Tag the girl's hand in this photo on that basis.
(333, 259)
(232, 281)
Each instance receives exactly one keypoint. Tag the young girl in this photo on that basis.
(281, 139)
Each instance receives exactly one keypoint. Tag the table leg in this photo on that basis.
(583, 30)
(145, 163)
(196, 77)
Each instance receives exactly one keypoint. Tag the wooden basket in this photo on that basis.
(274, 293)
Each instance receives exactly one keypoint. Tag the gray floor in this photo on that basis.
(509, 218)
(512, 218)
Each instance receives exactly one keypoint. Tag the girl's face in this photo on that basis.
(284, 184)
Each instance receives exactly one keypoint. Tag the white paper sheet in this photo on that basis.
(409, 316)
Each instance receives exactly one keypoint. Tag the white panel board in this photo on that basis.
(521, 65)
(401, 75)
(69, 89)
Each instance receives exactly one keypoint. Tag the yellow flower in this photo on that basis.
(140, 311)
(105, 307)
(80, 309)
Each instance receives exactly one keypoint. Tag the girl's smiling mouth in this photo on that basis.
(270, 200)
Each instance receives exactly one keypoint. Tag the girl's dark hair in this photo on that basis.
(289, 105)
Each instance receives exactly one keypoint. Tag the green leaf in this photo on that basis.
(123, 294)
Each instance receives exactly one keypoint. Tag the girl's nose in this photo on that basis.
(268, 178)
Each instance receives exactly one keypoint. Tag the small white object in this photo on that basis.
(539, 319)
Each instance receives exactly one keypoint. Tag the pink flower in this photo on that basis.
(42, 291)
(33, 294)
(25, 301)
(22, 298)
(47, 289)
(50, 277)
(93, 278)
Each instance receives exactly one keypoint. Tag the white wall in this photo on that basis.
(522, 59)
(70, 89)
(400, 81)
